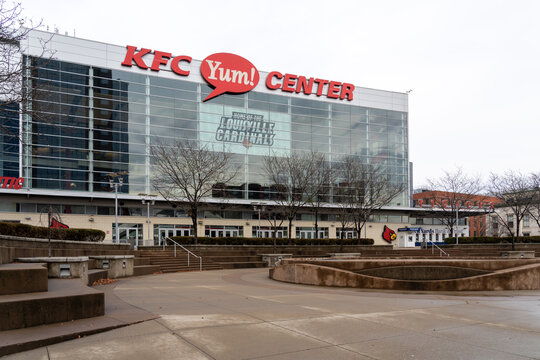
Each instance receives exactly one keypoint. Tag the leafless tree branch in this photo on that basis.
(455, 191)
(185, 173)
(362, 189)
(517, 193)
(291, 176)
(16, 90)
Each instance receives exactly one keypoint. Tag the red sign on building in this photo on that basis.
(230, 73)
(7, 182)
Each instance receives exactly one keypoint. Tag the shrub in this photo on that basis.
(188, 240)
(24, 230)
(494, 240)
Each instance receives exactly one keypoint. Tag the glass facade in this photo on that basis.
(88, 122)
(9, 140)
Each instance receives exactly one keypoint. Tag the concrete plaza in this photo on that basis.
(242, 314)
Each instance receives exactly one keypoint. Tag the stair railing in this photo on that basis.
(186, 250)
(441, 251)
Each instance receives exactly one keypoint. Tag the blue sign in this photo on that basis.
(413, 229)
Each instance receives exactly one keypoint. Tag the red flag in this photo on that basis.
(55, 224)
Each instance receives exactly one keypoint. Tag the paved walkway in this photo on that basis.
(242, 314)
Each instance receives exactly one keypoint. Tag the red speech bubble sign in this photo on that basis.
(229, 73)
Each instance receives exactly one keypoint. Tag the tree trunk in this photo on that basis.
(515, 238)
(316, 224)
(194, 221)
(290, 231)
(358, 227)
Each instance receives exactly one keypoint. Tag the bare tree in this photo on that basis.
(290, 176)
(52, 214)
(517, 195)
(15, 72)
(535, 208)
(318, 189)
(363, 190)
(344, 217)
(275, 218)
(454, 191)
(185, 173)
(344, 193)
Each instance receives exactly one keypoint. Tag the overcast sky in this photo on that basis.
(473, 66)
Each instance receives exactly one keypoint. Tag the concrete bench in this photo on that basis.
(63, 267)
(272, 259)
(518, 254)
(117, 265)
(22, 278)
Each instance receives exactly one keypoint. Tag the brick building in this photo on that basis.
(443, 199)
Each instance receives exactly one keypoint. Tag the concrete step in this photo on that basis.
(204, 265)
(242, 265)
(97, 274)
(145, 269)
(118, 313)
(238, 258)
(65, 300)
(23, 278)
(141, 261)
(190, 268)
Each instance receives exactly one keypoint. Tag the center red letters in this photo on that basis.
(300, 84)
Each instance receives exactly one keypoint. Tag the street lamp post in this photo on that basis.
(259, 232)
(457, 222)
(148, 199)
(258, 206)
(457, 203)
(116, 180)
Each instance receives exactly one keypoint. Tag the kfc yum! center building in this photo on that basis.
(103, 106)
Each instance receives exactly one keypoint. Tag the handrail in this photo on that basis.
(441, 251)
(188, 252)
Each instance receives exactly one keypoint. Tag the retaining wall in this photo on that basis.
(12, 247)
(524, 275)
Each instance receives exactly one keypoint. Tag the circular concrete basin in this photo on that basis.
(420, 272)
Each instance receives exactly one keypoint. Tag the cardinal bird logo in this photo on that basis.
(247, 143)
(388, 234)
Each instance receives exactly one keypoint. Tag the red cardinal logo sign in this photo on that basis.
(388, 234)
